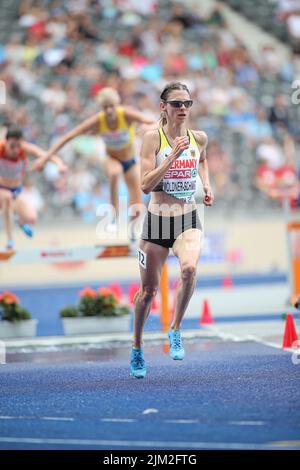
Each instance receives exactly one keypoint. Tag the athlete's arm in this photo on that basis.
(151, 176)
(40, 154)
(87, 125)
(132, 115)
(201, 139)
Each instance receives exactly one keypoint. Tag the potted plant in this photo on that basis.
(98, 311)
(15, 321)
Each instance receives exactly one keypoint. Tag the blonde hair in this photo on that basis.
(108, 94)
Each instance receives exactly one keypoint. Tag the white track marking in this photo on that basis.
(270, 344)
(247, 423)
(150, 410)
(227, 336)
(51, 341)
(146, 444)
(53, 418)
(46, 418)
(130, 420)
(66, 419)
(118, 420)
(256, 339)
(182, 421)
(12, 417)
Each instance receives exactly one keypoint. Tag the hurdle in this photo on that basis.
(53, 255)
(65, 254)
(293, 249)
(293, 229)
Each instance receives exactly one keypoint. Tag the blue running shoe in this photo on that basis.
(27, 229)
(137, 363)
(176, 347)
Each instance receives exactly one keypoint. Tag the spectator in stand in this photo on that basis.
(259, 128)
(287, 7)
(246, 74)
(220, 168)
(86, 202)
(54, 97)
(179, 14)
(64, 53)
(279, 115)
(239, 115)
(216, 16)
(269, 61)
(293, 25)
(271, 153)
(277, 175)
(286, 185)
(265, 178)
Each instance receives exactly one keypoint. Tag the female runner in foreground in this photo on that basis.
(13, 160)
(171, 158)
(115, 124)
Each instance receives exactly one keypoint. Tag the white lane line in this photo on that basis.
(147, 444)
(118, 420)
(129, 420)
(245, 338)
(248, 423)
(47, 418)
(12, 417)
(182, 421)
(256, 339)
(65, 419)
(53, 418)
(227, 336)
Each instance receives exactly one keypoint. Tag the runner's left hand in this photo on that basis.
(209, 197)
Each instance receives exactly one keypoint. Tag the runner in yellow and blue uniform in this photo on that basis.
(116, 125)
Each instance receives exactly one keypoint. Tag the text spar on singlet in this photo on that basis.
(182, 169)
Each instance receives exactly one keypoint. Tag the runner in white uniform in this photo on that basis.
(180, 180)
(172, 158)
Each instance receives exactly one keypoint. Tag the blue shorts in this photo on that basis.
(127, 164)
(15, 191)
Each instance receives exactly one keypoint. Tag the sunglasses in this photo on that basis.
(178, 103)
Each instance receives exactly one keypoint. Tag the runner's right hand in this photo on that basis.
(180, 144)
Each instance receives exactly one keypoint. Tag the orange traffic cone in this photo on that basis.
(290, 334)
(133, 289)
(206, 317)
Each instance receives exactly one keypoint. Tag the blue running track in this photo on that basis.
(234, 395)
